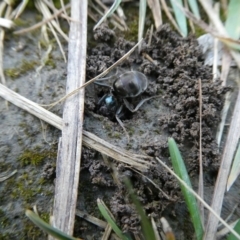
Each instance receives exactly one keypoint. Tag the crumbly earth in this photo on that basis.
(175, 75)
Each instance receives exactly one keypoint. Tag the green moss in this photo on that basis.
(116, 135)
(35, 157)
(45, 217)
(31, 157)
(4, 219)
(108, 126)
(50, 62)
(24, 67)
(32, 231)
(131, 131)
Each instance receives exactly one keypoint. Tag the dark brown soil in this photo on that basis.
(175, 76)
(174, 80)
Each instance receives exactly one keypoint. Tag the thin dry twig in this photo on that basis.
(4, 176)
(200, 182)
(95, 78)
(154, 5)
(211, 210)
(215, 47)
(219, 26)
(169, 15)
(107, 232)
(189, 20)
(37, 25)
(135, 161)
(70, 145)
(220, 186)
(105, 8)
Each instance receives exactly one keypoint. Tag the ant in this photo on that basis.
(127, 85)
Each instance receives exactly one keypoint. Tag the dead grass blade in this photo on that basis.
(46, 13)
(169, 15)
(19, 10)
(70, 146)
(167, 229)
(108, 13)
(98, 222)
(235, 169)
(114, 16)
(219, 26)
(135, 161)
(155, 230)
(141, 22)
(200, 199)
(6, 23)
(220, 186)
(4, 176)
(95, 78)
(200, 181)
(37, 25)
(154, 5)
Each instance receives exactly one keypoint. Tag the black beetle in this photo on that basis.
(128, 85)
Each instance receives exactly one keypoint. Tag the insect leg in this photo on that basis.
(128, 106)
(103, 84)
(120, 122)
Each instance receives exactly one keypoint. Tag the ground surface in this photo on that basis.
(174, 77)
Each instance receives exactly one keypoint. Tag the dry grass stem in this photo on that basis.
(200, 182)
(6, 23)
(211, 210)
(154, 5)
(223, 232)
(228, 154)
(169, 15)
(150, 35)
(167, 229)
(47, 14)
(115, 23)
(64, 10)
(155, 230)
(4, 176)
(118, 19)
(155, 185)
(226, 64)
(219, 26)
(107, 232)
(189, 20)
(136, 161)
(36, 26)
(70, 144)
(95, 78)
(215, 47)
(91, 219)
(2, 34)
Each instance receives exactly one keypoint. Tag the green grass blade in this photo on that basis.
(110, 221)
(47, 227)
(145, 222)
(180, 16)
(108, 13)
(142, 17)
(233, 19)
(194, 7)
(237, 229)
(181, 171)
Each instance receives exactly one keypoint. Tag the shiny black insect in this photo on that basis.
(128, 85)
